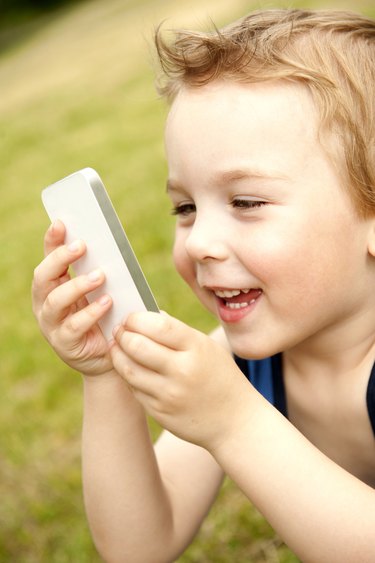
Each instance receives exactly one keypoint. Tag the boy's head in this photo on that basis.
(332, 53)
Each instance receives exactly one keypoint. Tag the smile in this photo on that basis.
(236, 300)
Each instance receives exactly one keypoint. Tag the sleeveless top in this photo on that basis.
(266, 376)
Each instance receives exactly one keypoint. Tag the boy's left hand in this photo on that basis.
(186, 381)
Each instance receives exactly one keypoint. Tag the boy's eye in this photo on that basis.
(247, 203)
(184, 209)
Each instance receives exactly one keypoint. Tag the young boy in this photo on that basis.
(270, 147)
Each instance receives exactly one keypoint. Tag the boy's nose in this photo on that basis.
(206, 241)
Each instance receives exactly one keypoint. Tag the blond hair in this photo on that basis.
(331, 52)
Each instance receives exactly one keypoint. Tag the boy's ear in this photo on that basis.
(371, 238)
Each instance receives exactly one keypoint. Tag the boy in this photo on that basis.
(270, 147)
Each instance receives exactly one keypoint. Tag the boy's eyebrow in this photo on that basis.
(232, 175)
(227, 176)
(171, 186)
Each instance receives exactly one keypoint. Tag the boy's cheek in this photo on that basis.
(183, 264)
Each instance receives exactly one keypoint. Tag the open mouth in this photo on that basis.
(234, 304)
(237, 298)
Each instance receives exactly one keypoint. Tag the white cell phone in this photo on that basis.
(81, 202)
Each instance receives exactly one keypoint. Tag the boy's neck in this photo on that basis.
(337, 350)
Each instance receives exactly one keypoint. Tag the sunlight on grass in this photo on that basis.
(78, 92)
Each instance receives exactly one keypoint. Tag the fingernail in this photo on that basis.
(74, 246)
(94, 276)
(104, 300)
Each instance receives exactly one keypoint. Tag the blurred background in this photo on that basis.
(76, 90)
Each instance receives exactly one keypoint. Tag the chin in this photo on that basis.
(247, 348)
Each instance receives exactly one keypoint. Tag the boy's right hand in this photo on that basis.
(66, 319)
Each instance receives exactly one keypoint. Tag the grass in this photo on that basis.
(76, 91)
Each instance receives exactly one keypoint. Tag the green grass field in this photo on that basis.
(76, 90)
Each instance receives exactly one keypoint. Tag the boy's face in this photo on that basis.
(266, 236)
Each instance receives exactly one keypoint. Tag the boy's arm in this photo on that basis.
(137, 511)
(320, 510)
(194, 389)
(141, 506)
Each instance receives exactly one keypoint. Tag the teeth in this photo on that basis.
(227, 293)
(239, 305)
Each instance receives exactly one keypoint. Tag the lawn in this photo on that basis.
(77, 90)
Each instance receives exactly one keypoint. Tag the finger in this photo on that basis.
(157, 394)
(145, 352)
(58, 261)
(54, 236)
(79, 323)
(161, 328)
(48, 274)
(58, 303)
(138, 378)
